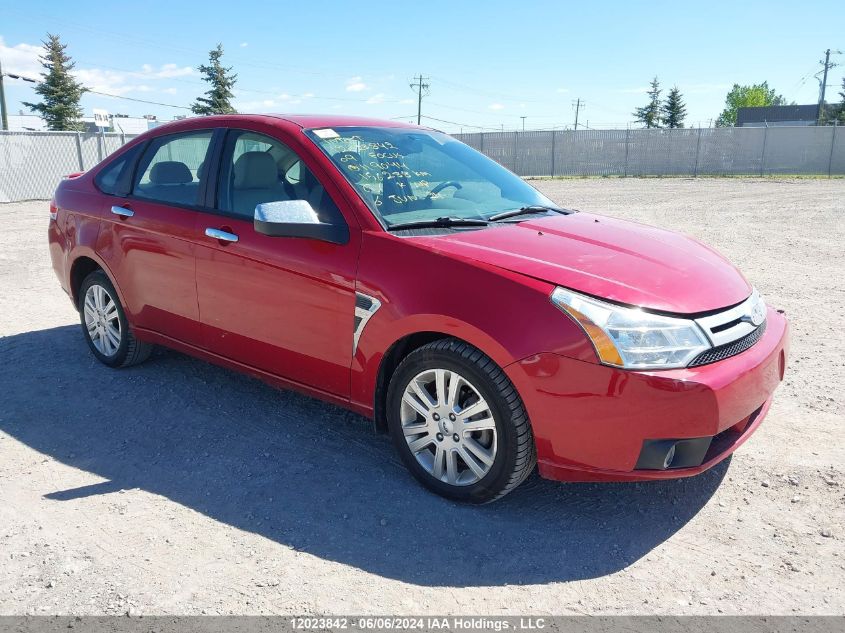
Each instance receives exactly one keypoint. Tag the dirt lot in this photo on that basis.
(177, 487)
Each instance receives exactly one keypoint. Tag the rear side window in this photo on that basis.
(173, 168)
(110, 177)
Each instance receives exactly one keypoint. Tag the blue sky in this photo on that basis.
(489, 62)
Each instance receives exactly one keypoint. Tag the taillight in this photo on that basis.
(54, 210)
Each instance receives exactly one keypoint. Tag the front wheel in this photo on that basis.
(458, 423)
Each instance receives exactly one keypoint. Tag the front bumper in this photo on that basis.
(592, 422)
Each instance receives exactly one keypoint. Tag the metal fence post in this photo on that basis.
(122, 139)
(481, 144)
(517, 164)
(763, 154)
(79, 151)
(832, 145)
(697, 153)
(627, 142)
(554, 134)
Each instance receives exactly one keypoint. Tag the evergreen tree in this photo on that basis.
(61, 93)
(674, 109)
(649, 115)
(218, 97)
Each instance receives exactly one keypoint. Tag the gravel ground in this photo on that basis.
(180, 488)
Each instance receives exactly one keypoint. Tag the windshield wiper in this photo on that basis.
(437, 223)
(531, 209)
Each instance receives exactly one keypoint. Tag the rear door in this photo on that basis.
(282, 305)
(150, 241)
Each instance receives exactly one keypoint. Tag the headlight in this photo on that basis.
(632, 338)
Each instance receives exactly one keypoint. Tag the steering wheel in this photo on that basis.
(443, 185)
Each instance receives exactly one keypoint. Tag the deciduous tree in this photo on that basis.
(754, 96)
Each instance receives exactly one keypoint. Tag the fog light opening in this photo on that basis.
(670, 456)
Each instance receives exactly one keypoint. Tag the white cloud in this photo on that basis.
(21, 59)
(244, 44)
(407, 101)
(377, 98)
(562, 90)
(167, 71)
(308, 95)
(355, 84)
(496, 106)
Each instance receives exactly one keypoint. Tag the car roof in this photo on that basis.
(304, 121)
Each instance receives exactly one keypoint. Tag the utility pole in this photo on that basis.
(523, 122)
(827, 66)
(419, 86)
(577, 104)
(4, 119)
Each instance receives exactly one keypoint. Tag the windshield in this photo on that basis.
(407, 175)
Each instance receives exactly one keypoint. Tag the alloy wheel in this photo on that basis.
(449, 427)
(102, 320)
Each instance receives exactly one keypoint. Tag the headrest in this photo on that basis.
(255, 170)
(201, 171)
(170, 172)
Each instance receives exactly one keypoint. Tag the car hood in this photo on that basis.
(605, 257)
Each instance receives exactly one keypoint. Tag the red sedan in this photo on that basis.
(395, 271)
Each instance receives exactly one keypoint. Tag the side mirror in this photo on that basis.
(296, 218)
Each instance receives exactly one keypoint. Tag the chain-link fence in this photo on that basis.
(678, 152)
(32, 163)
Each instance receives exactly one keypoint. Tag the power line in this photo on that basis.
(166, 105)
(96, 92)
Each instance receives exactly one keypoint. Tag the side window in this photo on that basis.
(256, 169)
(110, 176)
(172, 167)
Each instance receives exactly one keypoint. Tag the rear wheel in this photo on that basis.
(458, 423)
(105, 326)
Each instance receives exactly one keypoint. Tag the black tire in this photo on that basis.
(130, 350)
(515, 456)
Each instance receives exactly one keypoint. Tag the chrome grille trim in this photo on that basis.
(732, 324)
(365, 307)
(731, 349)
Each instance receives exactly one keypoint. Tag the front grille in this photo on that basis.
(729, 349)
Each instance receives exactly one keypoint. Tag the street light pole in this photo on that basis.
(523, 122)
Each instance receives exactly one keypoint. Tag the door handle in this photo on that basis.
(122, 212)
(223, 236)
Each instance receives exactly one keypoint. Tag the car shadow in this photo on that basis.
(312, 476)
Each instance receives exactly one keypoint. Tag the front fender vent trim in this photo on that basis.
(365, 307)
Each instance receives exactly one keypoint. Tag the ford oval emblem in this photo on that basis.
(758, 314)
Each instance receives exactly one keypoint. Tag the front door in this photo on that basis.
(282, 305)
